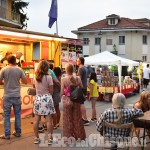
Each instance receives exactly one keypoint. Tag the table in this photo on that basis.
(126, 89)
(143, 122)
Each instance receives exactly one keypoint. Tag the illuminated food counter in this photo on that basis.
(27, 100)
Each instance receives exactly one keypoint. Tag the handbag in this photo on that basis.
(76, 93)
(31, 91)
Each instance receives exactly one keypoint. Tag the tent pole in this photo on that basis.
(119, 74)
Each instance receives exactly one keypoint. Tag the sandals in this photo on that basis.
(56, 126)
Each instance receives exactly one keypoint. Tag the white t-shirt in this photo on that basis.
(146, 73)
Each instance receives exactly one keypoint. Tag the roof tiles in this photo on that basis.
(123, 23)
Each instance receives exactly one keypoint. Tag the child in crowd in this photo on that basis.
(93, 94)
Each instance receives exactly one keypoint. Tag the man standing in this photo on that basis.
(146, 76)
(19, 58)
(82, 72)
(11, 75)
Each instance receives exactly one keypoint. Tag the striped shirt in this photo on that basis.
(110, 115)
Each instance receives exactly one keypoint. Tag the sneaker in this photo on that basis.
(36, 140)
(86, 122)
(16, 134)
(5, 137)
(93, 119)
(41, 129)
(56, 126)
(50, 141)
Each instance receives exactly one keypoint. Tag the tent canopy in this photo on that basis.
(107, 58)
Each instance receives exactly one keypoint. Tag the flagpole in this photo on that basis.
(56, 28)
(56, 20)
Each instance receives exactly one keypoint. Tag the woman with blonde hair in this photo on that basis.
(72, 118)
(43, 103)
(144, 101)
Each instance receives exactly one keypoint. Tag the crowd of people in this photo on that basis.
(50, 88)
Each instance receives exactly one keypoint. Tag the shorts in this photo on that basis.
(145, 81)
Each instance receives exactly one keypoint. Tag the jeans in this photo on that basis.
(8, 102)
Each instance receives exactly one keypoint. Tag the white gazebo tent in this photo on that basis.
(107, 58)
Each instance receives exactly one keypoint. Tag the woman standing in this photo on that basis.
(56, 98)
(43, 104)
(93, 94)
(72, 118)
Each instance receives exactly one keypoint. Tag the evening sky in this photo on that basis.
(73, 14)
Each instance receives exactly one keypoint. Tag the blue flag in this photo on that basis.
(52, 13)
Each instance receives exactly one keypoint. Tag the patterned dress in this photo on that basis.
(72, 118)
(43, 103)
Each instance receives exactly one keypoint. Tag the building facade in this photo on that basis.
(8, 18)
(128, 38)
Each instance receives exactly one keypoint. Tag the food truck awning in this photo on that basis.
(23, 36)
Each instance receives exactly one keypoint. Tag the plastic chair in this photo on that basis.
(124, 138)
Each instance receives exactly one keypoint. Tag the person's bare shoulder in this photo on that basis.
(137, 105)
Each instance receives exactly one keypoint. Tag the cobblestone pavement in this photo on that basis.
(26, 140)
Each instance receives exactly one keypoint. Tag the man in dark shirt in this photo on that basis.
(82, 72)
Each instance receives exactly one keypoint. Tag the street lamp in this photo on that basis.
(100, 36)
(114, 49)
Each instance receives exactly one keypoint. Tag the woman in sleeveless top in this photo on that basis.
(144, 101)
(144, 104)
(72, 118)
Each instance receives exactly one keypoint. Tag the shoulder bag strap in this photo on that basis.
(77, 82)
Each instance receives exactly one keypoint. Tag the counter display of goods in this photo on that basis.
(108, 79)
(28, 68)
(27, 101)
(126, 89)
(108, 85)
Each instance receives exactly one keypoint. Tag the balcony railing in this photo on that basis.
(9, 15)
(15, 17)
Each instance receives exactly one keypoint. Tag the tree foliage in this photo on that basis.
(18, 7)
